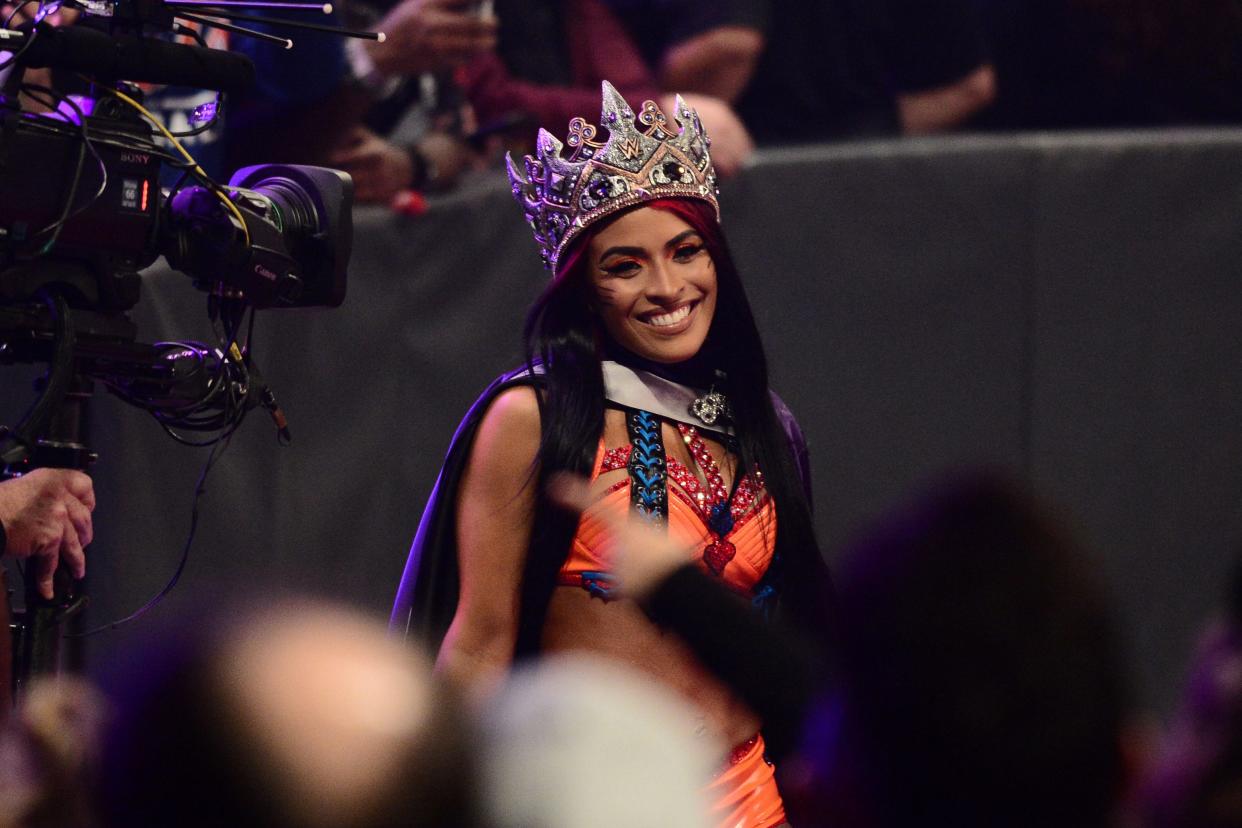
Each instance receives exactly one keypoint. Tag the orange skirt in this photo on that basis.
(744, 795)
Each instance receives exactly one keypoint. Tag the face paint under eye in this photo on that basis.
(663, 309)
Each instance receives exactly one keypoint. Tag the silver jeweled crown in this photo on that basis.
(641, 161)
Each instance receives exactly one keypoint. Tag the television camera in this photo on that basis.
(82, 212)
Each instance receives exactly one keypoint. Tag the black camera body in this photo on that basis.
(286, 244)
(103, 244)
(82, 212)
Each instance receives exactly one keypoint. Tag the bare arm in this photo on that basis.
(718, 62)
(941, 109)
(495, 508)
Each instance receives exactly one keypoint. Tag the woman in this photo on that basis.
(646, 374)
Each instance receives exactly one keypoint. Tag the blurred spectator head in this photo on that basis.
(48, 753)
(1197, 780)
(300, 714)
(577, 741)
(982, 679)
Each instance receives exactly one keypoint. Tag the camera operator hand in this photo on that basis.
(46, 517)
(431, 35)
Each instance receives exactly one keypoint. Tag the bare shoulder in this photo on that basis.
(510, 432)
(516, 407)
(514, 414)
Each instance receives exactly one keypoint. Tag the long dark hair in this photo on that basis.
(563, 336)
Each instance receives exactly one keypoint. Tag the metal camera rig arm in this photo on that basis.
(82, 212)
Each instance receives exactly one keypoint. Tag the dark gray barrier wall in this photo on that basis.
(1064, 307)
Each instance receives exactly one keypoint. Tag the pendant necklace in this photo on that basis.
(714, 502)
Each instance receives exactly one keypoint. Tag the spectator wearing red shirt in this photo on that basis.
(552, 56)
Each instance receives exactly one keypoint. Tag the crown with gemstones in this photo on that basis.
(642, 160)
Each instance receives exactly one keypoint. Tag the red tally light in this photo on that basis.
(146, 189)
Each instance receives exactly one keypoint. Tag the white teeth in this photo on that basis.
(666, 319)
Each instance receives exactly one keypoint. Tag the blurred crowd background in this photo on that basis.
(974, 679)
(457, 82)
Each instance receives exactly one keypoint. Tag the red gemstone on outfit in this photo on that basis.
(711, 493)
(614, 459)
(718, 554)
(739, 753)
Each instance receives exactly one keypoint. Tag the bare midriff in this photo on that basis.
(618, 630)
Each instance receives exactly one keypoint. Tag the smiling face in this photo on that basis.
(654, 284)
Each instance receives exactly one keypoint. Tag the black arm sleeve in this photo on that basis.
(697, 17)
(656, 26)
(932, 44)
(767, 668)
(4, 538)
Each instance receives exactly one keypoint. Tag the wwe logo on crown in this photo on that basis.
(642, 160)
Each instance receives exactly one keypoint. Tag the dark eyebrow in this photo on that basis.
(624, 251)
(638, 251)
(681, 237)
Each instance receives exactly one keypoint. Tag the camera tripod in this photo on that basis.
(172, 380)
